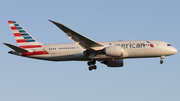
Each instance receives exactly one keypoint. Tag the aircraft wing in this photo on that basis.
(84, 42)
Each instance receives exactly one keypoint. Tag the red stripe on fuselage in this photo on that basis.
(31, 46)
(17, 34)
(14, 28)
(35, 53)
(10, 22)
(21, 40)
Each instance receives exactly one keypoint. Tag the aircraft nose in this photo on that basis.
(171, 51)
(174, 50)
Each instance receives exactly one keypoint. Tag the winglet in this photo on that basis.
(61, 26)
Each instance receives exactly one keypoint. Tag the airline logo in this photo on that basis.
(25, 40)
(151, 45)
(20, 34)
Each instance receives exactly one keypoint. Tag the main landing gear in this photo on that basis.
(162, 57)
(92, 65)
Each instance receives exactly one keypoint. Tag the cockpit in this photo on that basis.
(169, 45)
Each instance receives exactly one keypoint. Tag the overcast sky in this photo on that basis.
(24, 79)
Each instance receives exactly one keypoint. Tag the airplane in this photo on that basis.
(111, 53)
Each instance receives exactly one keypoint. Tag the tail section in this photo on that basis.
(23, 38)
(28, 46)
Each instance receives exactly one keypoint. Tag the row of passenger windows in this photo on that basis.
(62, 48)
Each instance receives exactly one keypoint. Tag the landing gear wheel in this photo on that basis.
(94, 67)
(161, 61)
(89, 63)
(90, 68)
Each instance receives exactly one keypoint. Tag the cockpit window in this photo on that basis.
(169, 45)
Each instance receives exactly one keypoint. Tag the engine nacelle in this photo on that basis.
(114, 51)
(113, 63)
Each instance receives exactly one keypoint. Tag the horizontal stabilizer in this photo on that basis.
(16, 48)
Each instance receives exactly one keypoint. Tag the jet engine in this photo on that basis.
(113, 63)
(114, 51)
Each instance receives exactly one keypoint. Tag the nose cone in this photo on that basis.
(171, 51)
(175, 51)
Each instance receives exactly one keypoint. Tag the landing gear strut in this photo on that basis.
(92, 65)
(162, 57)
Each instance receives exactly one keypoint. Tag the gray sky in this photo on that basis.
(24, 79)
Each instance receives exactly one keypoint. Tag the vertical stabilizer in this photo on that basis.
(23, 38)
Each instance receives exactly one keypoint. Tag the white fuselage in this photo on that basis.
(131, 49)
(85, 49)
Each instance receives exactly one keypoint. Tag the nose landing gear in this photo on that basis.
(161, 62)
(92, 65)
(162, 57)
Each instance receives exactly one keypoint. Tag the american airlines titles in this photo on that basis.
(132, 45)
